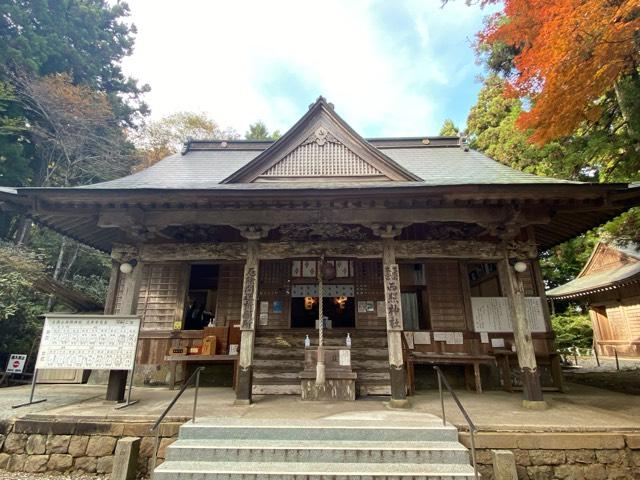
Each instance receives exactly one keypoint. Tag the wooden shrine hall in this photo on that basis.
(420, 250)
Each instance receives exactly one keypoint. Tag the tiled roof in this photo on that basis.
(205, 169)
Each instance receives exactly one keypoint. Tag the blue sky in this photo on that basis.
(391, 68)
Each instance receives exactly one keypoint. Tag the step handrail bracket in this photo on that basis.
(195, 379)
(472, 428)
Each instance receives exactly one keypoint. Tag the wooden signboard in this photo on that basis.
(492, 314)
(91, 342)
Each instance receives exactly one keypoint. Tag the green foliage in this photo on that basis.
(563, 263)
(86, 38)
(259, 131)
(449, 129)
(20, 305)
(572, 330)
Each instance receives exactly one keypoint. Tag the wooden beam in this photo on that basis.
(128, 218)
(406, 250)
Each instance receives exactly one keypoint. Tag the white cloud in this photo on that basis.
(223, 57)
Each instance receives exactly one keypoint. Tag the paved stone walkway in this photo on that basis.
(583, 408)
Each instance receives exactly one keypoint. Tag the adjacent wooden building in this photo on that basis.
(423, 234)
(609, 284)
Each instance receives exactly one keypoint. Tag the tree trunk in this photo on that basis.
(627, 90)
(57, 271)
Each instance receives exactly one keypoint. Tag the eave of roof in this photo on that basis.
(605, 280)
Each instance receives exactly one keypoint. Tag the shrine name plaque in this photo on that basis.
(91, 342)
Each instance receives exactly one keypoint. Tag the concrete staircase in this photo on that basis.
(279, 358)
(234, 449)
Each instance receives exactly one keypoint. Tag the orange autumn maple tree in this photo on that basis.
(570, 54)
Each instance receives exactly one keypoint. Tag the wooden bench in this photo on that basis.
(503, 358)
(428, 358)
(199, 359)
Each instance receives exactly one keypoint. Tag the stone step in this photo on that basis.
(278, 389)
(171, 470)
(430, 429)
(317, 451)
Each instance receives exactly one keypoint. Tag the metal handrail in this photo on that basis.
(196, 375)
(470, 424)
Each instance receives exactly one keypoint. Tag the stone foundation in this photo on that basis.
(64, 446)
(562, 455)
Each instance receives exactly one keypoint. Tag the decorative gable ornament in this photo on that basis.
(321, 147)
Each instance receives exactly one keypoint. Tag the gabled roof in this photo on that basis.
(601, 273)
(324, 147)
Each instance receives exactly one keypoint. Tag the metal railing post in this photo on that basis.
(444, 418)
(472, 428)
(195, 397)
(156, 426)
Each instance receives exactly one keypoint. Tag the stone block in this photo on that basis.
(634, 458)
(504, 465)
(58, 443)
(105, 464)
(126, 459)
(540, 472)
(86, 464)
(522, 457)
(78, 445)
(137, 430)
(100, 446)
(595, 472)
(44, 427)
(16, 462)
(15, 443)
(619, 473)
(612, 457)
(60, 462)
(522, 472)
(570, 472)
(36, 463)
(547, 457)
(4, 460)
(164, 443)
(100, 428)
(483, 457)
(169, 429)
(633, 441)
(36, 444)
(146, 447)
(581, 456)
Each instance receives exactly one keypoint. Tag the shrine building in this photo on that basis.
(420, 250)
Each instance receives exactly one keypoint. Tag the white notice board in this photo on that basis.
(92, 342)
(492, 314)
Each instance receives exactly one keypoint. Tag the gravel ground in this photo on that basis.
(49, 476)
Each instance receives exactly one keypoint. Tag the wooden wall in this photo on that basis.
(446, 299)
(369, 286)
(615, 315)
(230, 280)
(274, 278)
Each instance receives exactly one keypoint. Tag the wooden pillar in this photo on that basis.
(532, 389)
(248, 324)
(391, 276)
(128, 306)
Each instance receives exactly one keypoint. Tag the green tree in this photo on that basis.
(85, 38)
(259, 131)
(449, 129)
(158, 139)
